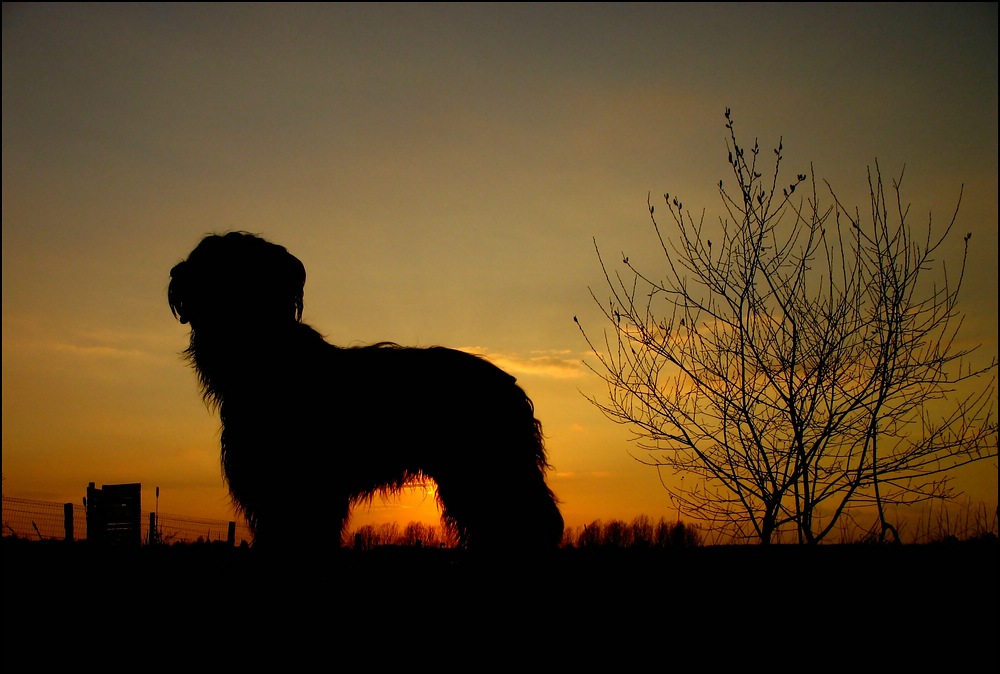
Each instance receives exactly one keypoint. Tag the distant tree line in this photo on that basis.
(641, 532)
(413, 534)
(966, 521)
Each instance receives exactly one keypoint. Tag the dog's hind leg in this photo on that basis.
(502, 518)
(495, 508)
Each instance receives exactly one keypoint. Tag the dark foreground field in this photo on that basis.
(205, 608)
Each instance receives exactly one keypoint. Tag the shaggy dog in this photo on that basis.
(309, 429)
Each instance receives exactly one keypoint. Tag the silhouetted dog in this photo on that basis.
(309, 429)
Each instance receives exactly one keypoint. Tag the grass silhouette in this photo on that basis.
(213, 607)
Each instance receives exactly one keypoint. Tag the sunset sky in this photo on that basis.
(442, 172)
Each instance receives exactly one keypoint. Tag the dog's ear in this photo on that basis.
(293, 279)
(176, 291)
(275, 278)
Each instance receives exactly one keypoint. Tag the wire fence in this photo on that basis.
(47, 520)
(41, 520)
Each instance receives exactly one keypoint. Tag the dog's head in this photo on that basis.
(237, 280)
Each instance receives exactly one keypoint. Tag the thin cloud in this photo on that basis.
(548, 364)
(578, 474)
(28, 335)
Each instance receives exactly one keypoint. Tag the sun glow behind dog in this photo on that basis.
(310, 429)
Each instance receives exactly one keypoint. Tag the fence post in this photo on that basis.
(95, 531)
(68, 521)
(231, 534)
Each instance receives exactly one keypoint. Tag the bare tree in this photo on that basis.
(417, 534)
(802, 366)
